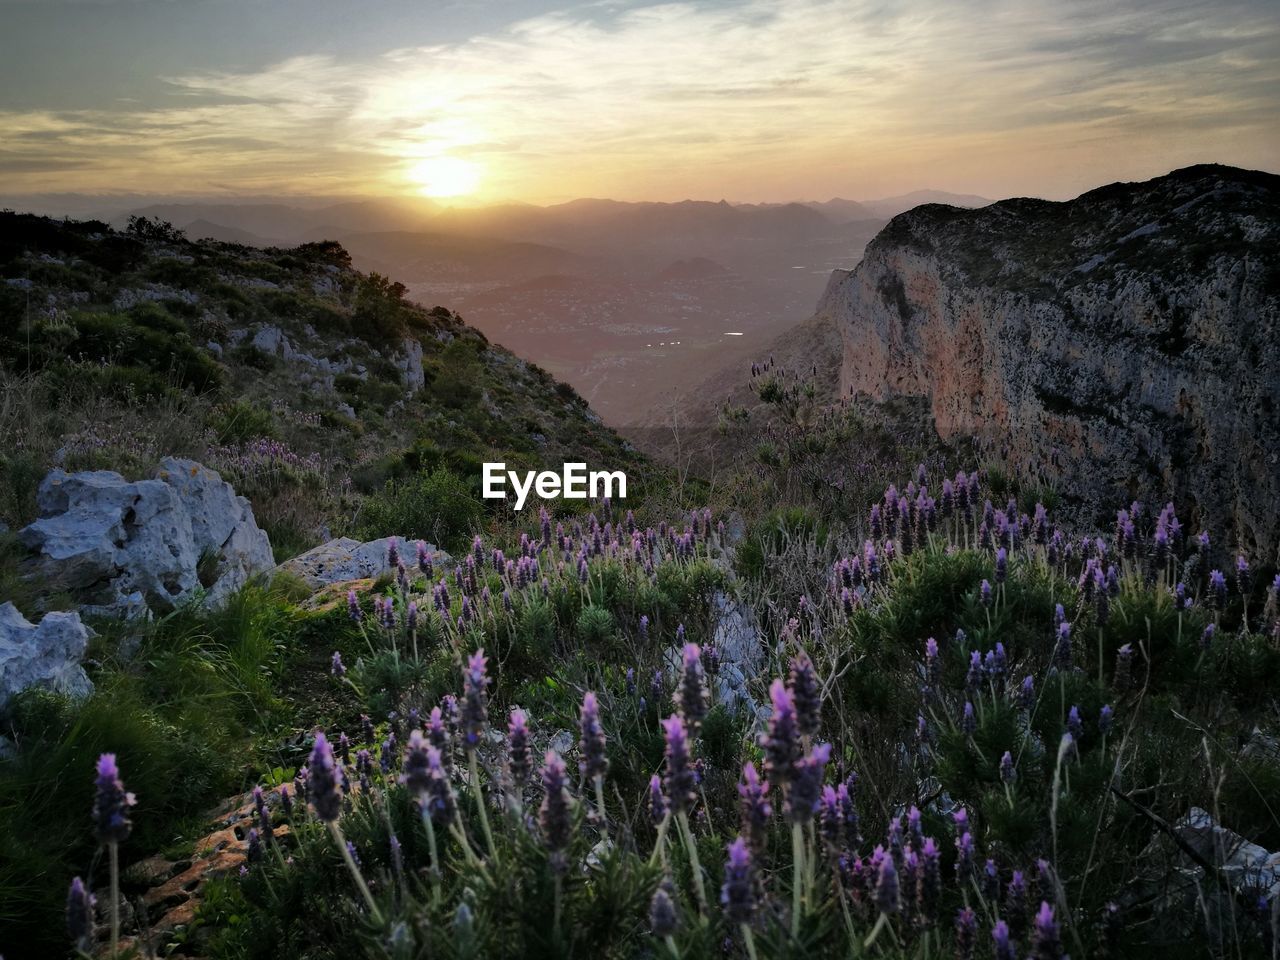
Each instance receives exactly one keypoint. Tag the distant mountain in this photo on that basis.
(441, 257)
(207, 230)
(844, 211)
(890, 207)
(292, 223)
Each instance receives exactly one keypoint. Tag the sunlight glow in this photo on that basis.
(444, 176)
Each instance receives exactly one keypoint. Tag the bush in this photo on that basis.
(438, 507)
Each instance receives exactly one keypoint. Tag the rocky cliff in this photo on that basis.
(1123, 344)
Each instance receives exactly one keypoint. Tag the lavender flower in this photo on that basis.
(1218, 589)
(1027, 694)
(519, 763)
(738, 894)
(335, 665)
(475, 701)
(681, 780)
(353, 606)
(966, 933)
(111, 803)
(664, 919)
(888, 896)
(929, 879)
(806, 788)
(781, 741)
(1008, 774)
(286, 800)
(1046, 942)
(757, 812)
(1074, 724)
(657, 802)
(322, 781)
(555, 814)
(969, 721)
(984, 591)
(592, 744)
(1002, 565)
(1004, 948)
(964, 856)
(1105, 719)
(806, 693)
(1206, 638)
(691, 695)
(253, 849)
(80, 904)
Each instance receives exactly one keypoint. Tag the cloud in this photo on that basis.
(712, 99)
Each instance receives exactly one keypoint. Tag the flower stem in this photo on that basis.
(749, 941)
(435, 858)
(692, 848)
(114, 851)
(797, 872)
(660, 844)
(484, 815)
(355, 872)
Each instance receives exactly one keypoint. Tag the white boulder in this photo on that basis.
(409, 360)
(45, 655)
(108, 539)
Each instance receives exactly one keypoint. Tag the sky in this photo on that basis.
(482, 101)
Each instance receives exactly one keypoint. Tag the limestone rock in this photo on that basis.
(1120, 345)
(45, 655)
(409, 360)
(348, 559)
(116, 543)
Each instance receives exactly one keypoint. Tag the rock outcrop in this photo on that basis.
(344, 559)
(46, 655)
(1125, 344)
(122, 546)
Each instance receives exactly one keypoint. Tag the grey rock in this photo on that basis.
(347, 559)
(45, 655)
(112, 541)
(1099, 354)
(409, 360)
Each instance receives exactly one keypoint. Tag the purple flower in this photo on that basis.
(691, 692)
(1046, 942)
(984, 591)
(1015, 903)
(931, 662)
(475, 701)
(286, 800)
(1218, 588)
(969, 721)
(1062, 647)
(1004, 948)
(806, 693)
(1002, 565)
(664, 919)
(322, 780)
(1105, 718)
(964, 856)
(592, 744)
(644, 627)
(1206, 638)
(264, 816)
(519, 763)
(966, 933)
(929, 880)
(335, 665)
(253, 849)
(1008, 774)
(681, 780)
(353, 606)
(888, 897)
(80, 903)
(393, 553)
(1074, 724)
(554, 816)
(738, 894)
(1027, 694)
(757, 812)
(111, 803)
(781, 741)
(657, 802)
(806, 788)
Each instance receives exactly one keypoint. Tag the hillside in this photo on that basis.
(1120, 345)
(310, 385)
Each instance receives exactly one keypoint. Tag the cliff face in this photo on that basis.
(1123, 344)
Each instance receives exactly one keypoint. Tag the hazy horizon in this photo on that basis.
(542, 102)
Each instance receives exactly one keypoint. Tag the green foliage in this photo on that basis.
(438, 507)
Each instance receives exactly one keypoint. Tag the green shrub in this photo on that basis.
(438, 507)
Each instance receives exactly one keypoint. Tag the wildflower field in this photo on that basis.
(976, 735)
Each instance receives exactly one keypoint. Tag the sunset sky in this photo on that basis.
(540, 102)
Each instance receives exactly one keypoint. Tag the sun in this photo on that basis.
(445, 176)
